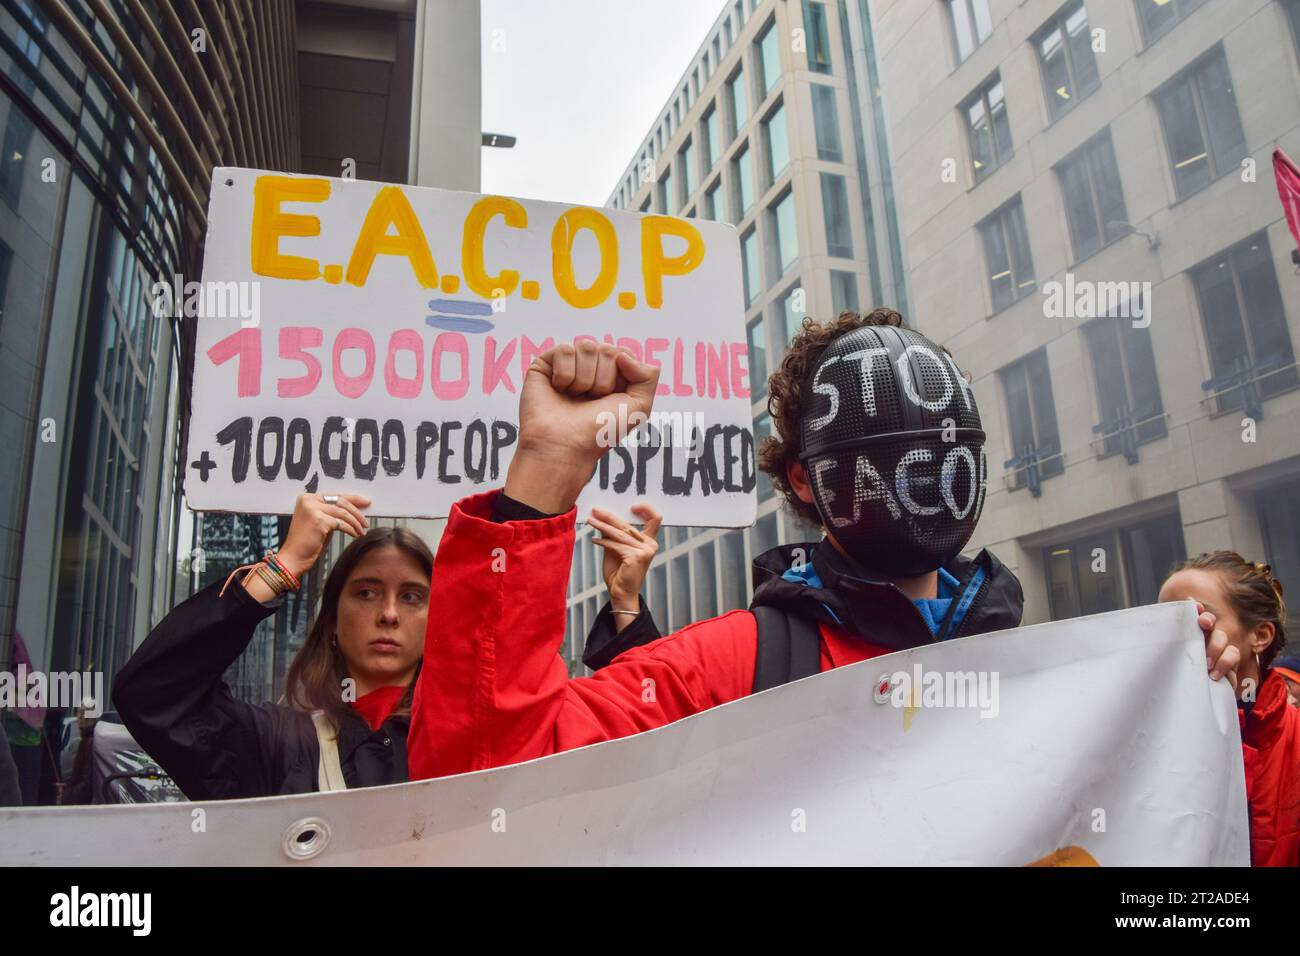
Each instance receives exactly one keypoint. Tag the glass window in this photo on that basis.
(844, 292)
(769, 58)
(749, 263)
(1094, 201)
(712, 138)
(757, 358)
(658, 597)
(778, 144)
(1245, 325)
(763, 429)
(1112, 569)
(1128, 393)
(1083, 576)
(1151, 550)
(743, 177)
(784, 235)
(1279, 517)
(1293, 14)
(1202, 128)
(1031, 419)
(681, 596)
(826, 123)
(735, 574)
(709, 205)
(817, 39)
(1159, 16)
(971, 25)
(688, 171)
(791, 318)
(1006, 255)
(667, 201)
(988, 128)
(835, 212)
(705, 575)
(763, 534)
(1065, 54)
(739, 102)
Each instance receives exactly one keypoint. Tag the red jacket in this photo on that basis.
(493, 689)
(1270, 743)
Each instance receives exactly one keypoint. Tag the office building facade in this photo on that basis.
(1091, 224)
(114, 113)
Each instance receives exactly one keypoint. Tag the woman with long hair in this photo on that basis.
(1248, 620)
(346, 710)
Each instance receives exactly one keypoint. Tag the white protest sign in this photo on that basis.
(1097, 741)
(393, 326)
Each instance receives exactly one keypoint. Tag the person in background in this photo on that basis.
(1247, 615)
(348, 694)
(10, 793)
(1289, 670)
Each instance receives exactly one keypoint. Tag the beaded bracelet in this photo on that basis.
(271, 570)
(273, 561)
(273, 581)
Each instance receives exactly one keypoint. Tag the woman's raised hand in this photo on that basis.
(315, 518)
(628, 553)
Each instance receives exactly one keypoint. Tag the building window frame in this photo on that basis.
(1088, 159)
(1021, 273)
(1152, 33)
(969, 11)
(1001, 148)
(1059, 105)
(1040, 458)
(1189, 79)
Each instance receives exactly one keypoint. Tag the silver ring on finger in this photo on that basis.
(330, 499)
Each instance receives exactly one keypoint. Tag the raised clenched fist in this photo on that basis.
(572, 394)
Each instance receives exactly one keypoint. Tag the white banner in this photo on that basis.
(1094, 741)
(360, 336)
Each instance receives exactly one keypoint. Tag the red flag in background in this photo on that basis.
(1288, 187)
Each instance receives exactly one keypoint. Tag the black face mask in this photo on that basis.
(894, 449)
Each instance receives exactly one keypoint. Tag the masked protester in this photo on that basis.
(885, 439)
(879, 443)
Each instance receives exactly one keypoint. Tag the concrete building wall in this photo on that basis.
(1203, 475)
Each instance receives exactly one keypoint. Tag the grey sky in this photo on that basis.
(579, 83)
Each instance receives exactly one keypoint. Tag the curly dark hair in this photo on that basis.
(785, 395)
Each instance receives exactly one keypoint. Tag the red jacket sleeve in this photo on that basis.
(494, 690)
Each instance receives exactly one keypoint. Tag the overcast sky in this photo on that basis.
(579, 82)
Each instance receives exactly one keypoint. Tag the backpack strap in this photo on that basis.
(789, 647)
(329, 774)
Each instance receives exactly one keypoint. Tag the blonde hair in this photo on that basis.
(1253, 592)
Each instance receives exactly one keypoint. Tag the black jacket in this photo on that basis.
(10, 793)
(873, 610)
(172, 698)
